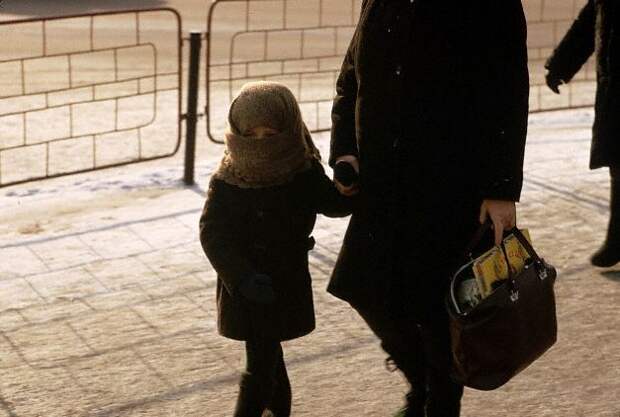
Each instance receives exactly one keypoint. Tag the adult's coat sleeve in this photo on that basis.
(576, 46)
(343, 133)
(508, 102)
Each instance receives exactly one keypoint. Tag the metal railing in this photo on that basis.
(84, 92)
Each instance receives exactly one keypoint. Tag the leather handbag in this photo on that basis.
(509, 329)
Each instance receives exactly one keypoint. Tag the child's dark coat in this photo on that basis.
(267, 230)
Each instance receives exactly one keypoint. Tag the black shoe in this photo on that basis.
(607, 256)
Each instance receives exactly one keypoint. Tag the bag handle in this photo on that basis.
(476, 239)
(526, 244)
(485, 227)
(467, 254)
(511, 275)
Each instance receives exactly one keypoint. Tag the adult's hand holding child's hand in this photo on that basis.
(353, 188)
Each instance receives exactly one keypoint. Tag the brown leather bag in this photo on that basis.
(508, 330)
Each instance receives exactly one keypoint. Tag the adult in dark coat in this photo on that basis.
(432, 108)
(597, 29)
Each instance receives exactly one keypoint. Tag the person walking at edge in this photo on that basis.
(597, 29)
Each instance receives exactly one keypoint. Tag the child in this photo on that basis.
(261, 208)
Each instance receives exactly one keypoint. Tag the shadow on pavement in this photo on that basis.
(178, 392)
(42, 8)
(612, 275)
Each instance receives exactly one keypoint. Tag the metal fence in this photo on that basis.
(83, 92)
(301, 43)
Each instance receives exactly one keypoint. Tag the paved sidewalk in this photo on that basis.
(107, 301)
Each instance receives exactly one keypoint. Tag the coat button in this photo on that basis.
(389, 30)
(395, 143)
(399, 69)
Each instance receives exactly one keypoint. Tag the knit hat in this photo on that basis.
(256, 163)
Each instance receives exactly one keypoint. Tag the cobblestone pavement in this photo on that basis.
(107, 301)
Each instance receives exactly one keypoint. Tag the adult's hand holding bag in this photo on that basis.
(509, 329)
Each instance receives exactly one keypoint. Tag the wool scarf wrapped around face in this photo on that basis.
(250, 162)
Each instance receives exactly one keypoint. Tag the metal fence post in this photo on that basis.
(191, 118)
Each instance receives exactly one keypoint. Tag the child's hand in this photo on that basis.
(258, 289)
(352, 189)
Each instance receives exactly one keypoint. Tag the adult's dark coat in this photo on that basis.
(266, 230)
(597, 29)
(433, 99)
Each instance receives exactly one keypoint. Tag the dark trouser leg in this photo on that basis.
(258, 383)
(280, 404)
(401, 341)
(423, 354)
(444, 395)
(613, 233)
(609, 254)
